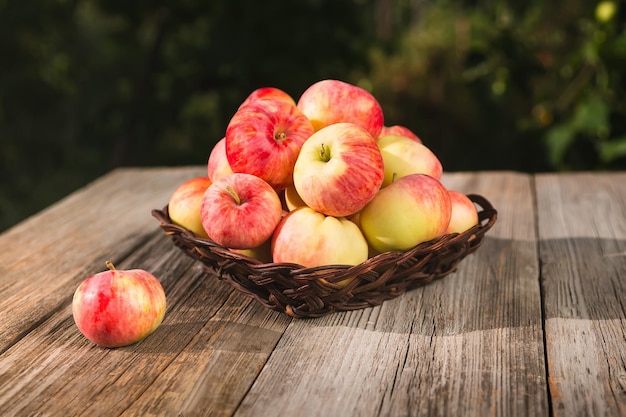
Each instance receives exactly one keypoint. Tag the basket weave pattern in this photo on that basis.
(313, 292)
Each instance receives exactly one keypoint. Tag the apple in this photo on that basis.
(464, 213)
(217, 165)
(309, 238)
(411, 210)
(184, 204)
(261, 253)
(118, 307)
(292, 198)
(240, 211)
(268, 92)
(399, 130)
(403, 156)
(328, 102)
(339, 170)
(264, 138)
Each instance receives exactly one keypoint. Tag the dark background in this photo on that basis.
(87, 86)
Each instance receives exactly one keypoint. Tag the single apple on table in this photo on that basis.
(403, 156)
(264, 138)
(309, 238)
(339, 170)
(217, 165)
(411, 210)
(184, 204)
(268, 92)
(401, 131)
(118, 307)
(240, 211)
(464, 213)
(328, 102)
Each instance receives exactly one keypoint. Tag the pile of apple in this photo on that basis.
(319, 181)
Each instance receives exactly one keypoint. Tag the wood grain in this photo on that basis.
(43, 259)
(470, 344)
(202, 359)
(583, 255)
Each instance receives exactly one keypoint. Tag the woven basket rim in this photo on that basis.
(303, 291)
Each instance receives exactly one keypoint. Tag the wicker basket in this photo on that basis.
(312, 292)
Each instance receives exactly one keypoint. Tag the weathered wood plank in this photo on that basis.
(202, 359)
(215, 370)
(43, 259)
(470, 344)
(582, 231)
(58, 369)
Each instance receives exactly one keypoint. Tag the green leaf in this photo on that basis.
(558, 139)
(592, 116)
(612, 149)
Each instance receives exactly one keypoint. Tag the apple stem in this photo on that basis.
(110, 265)
(280, 136)
(234, 194)
(325, 155)
(394, 177)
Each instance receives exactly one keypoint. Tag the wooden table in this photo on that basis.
(532, 324)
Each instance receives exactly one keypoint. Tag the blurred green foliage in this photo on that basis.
(89, 85)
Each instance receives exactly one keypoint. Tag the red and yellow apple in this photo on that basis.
(262, 253)
(268, 92)
(411, 210)
(184, 204)
(339, 170)
(403, 156)
(292, 198)
(118, 307)
(328, 102)
(464, 213)
(401, 131)
(217, 165)
(264, 138)
(309, 238)
(240, 211)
